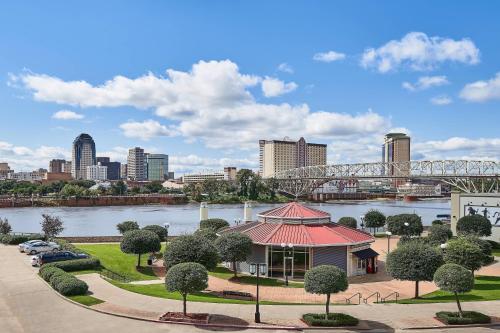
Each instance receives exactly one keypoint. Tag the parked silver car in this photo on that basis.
(41, 247)
(22, 246)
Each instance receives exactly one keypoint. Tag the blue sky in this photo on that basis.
(203, 81)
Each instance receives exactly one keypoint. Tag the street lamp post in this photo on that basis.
(284, 246)
(166, 226)
(389, 234)
(257, 269)
(362, 225)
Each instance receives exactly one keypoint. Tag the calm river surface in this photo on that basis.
(101, 221)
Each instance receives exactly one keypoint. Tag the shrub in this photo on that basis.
(47, 271)
(66, 246)
(414, 261)
(214, 224)
(71, 286)
(160, 231)
(494, 245)
(374, 219)
(437, 222)
(57, 278)
(207, 233)
(140, 242)
(348, 222)
(189, 248)
(405, 225)
(186, 278)
(36, 237)
(234, 247)
(485, 247)
(14, 239)
(76, 265)
(439, 234)
(5, 227)
(127, 226)
(474, 224)
(334, 319)
(463, 252)
(469, 317)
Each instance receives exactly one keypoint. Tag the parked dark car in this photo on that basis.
(45, 258)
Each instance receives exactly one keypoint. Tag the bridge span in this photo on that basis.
(465, 175)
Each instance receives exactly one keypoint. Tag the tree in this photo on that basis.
(5, 227)
(127, 226)
(190, 248)
(405, 225)
(474, 224)
(207, 233)
(437, 222)
(71, 190)
(51, 226)
(119, 188)
(234, 247)
(140, 242)
(160, 231)
(186, 278)
(454, 279)
(243, 178)
(374, 219)
(439, 234)
(325, 280)
(414, 261)
(463, 252)
(154, 187)
(485, 246)
(214, 224)
(348, 222)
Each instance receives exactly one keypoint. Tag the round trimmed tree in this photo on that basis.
(190, 248)
(234, 247)
(208, 234)
(454, 279)
(160, 231)
(348, 222)
(186, 278)
(463, 252)
(374, 219)
(140, 242)
(414, 261)
(477, 225)
(405, 225)
(325, 280)
(439, 234)
(127, 226)
(214, 224)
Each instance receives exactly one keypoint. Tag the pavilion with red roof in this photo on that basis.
(293, 238)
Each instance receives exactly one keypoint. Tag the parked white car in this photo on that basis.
(22, 246)
(41, 247)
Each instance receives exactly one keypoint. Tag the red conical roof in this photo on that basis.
(294, 210)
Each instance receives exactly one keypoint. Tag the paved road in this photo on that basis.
(28, 305)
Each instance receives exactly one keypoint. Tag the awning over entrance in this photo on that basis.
(366, 253)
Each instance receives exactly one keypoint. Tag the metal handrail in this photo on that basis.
(374, 294)
(383, 299)
(348, 300)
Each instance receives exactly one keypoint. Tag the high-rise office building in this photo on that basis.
(157, 166)
(396, 148)
(114, 168)
(83, 155)
(230, 173)
(136, 164)
(97, 172)
(123, 171)
(5, 170)
(280, 155)
(67, 167)
(56, 166)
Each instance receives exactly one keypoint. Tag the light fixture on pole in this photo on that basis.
(257, 269)
(362, 225)
(286, 256)
(166, 226)
(389, 234)
(443, 246)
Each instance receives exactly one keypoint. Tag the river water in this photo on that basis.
(101, 221)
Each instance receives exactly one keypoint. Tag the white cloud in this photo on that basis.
(328, 124)
(193, 163)
(420, 52)
(286, 68)
(329, 56)
(459, 148)
(426, 82)
(22, 158)
(67, 115)
(146, 130)
(272, 87)
(441, 100)
(482, 91)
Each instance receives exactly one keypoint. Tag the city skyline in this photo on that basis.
(343, 78)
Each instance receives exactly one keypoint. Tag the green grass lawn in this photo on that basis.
(486, 288)
(158, 290)
(495, 252)
(226, 274)
(86, 300)
(112, 258)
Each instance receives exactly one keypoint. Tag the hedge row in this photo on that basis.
(76, 265)
(18, 239)
(63, 282)
(469, 317)
(334, 319)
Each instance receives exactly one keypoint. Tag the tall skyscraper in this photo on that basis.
(83, 155)
(56, 166)
(396, 148)
(136, 164)
(114, 168)
(123, 171)
(157, 166)
(280, 155)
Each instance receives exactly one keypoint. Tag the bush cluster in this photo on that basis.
(334, 319)
(214, 224)
(76, 265)
(63, 282)
(469, 317)
(348, 222)
(18, 239)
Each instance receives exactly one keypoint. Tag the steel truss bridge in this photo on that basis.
(465, 175)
